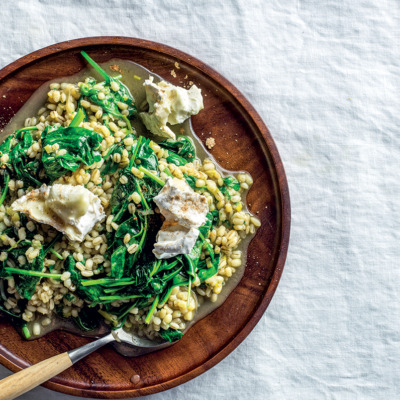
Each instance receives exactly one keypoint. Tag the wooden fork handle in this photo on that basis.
(25, 380)
(28, 378)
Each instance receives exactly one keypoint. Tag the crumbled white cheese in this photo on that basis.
(174, 239)
(178, 202)
(184, 211)
(73, 210)
(169, 104)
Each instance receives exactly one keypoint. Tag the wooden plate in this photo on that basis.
(243, 143)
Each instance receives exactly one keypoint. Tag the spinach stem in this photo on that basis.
(152, 176)
(59, 256)
(144, 202)
(16, 244)
(189, 291)
(32, 273)
(107, 316)
(111, 149)
(111, 290)
(5, 190)
(168, 172)
(26, 129)
(141, 243)
(120, 212)
(172, 265)
(96, 66)
(53, 242)
(94, 282)
(2, 293)
(128, 123)
(168, 277)
(128, 309)
(138, 143)
(79, 117)
(209, 248)
(152, 309)
(112, 298)
(26, 331)
(166, 296)
(108, 282)
(156, 266)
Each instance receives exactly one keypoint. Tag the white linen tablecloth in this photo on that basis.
(325, 77)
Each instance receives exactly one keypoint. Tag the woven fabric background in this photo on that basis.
(325, 77)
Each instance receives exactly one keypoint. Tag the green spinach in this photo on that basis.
(230, 182)
(182, 147)
(26, 283)
(171, 335)
(81, 146)
(112, 97)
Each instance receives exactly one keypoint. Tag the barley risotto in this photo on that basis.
(102, 225)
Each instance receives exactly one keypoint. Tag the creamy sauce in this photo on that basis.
(130, 74)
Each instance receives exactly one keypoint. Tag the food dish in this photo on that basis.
(273, 199)
(98, 222)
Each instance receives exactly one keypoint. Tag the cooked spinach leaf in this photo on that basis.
(145, 156)
(22, 166)
(191, 181)
(80, 146)
(110, 166)
(230, 182)
(92, 293)
(194, 255)
(178, 280)
(183, 147)
(215, 217)
(115, 92)
(118, 262)
(207, 271)
(171, 335)
(5, 180)
(120, 197)
(175, 159)
(26, 282)
(131, 226)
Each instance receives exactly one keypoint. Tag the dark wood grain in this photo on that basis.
(243, 143)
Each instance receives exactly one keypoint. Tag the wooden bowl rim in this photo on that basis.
(283, 190)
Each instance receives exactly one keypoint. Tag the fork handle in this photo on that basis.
(28, 378)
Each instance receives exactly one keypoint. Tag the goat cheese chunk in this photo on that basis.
(169, 104)
(184, 211)
(178, 202)
(174, 239)
(72, 210)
